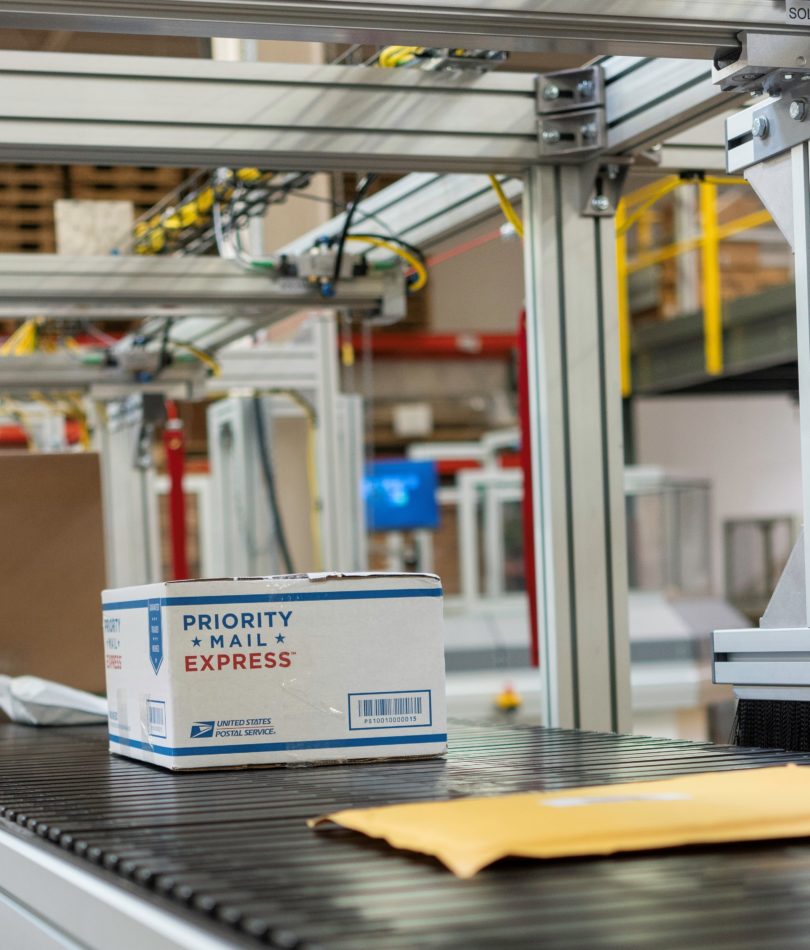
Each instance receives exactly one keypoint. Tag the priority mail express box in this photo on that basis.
(274, 670)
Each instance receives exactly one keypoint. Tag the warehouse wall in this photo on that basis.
(748, 446)
(481, 288)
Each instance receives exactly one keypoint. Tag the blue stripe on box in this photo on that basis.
(280, 598)
(231, 748)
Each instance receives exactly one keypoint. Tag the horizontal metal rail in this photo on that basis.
(120, 287)
(688, 28)
(131, 110)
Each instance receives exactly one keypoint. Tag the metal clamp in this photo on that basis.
(571, 107)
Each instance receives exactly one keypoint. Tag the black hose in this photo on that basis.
(270, 485)
(363, 186)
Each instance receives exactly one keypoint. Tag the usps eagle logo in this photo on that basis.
(202, 730)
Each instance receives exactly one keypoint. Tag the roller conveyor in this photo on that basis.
(225, 858)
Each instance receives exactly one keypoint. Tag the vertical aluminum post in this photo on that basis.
(132, 548)
(575, 396)
(801, 248)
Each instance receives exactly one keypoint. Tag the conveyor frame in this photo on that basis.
(98, 848)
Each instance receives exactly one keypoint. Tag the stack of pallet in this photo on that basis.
(28, 192)
(142, 185)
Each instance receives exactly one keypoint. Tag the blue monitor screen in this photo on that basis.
(401, 495)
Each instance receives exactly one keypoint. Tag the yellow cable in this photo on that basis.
(10, 346)
(393, 56)
(507, 207)
(406, 255)
(201, 355)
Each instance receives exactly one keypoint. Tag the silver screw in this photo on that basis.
(585, 88)
(600, 203)
(798, 110)
(588, 130)
(551, 92)
(760, 127)
(551, 136)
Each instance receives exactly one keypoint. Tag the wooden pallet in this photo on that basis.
(28, 192)
(144, 186)
(30, 185)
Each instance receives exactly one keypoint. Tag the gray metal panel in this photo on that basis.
(88, 911)
(788, 605)
(688, 28)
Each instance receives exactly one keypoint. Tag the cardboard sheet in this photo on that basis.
(467, 834)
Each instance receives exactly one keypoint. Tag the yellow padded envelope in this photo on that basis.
(467, 834)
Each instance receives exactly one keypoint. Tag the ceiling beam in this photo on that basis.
(677, 28)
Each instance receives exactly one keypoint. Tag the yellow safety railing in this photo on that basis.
(632, 211)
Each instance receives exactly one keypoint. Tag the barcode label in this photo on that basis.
(156, 717)
(390, 710)
(391, 706)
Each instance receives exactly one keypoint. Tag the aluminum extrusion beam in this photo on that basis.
(650, 100)
(130, 110)
(20, 375)
(101, 108)
(576, 450)
(120, 287)
(689, 28)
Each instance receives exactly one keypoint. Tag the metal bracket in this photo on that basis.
(602, 183)
(769, 128)
(571, 110)
(570, 89)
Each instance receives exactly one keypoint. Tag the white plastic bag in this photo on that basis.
(37, 702)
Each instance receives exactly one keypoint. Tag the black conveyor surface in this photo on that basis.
(233, 847)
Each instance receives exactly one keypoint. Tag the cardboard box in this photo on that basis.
(52, 564)
(276, 670)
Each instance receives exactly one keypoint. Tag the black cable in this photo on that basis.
(270, 484)
(360, 192)
(164, 359)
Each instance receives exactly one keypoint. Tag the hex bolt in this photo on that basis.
(551, 92)
(760, 127)
(798, 110)
(600, 203)
(551, 136)
(585, 88)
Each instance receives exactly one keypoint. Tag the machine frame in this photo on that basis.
(569, 196)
